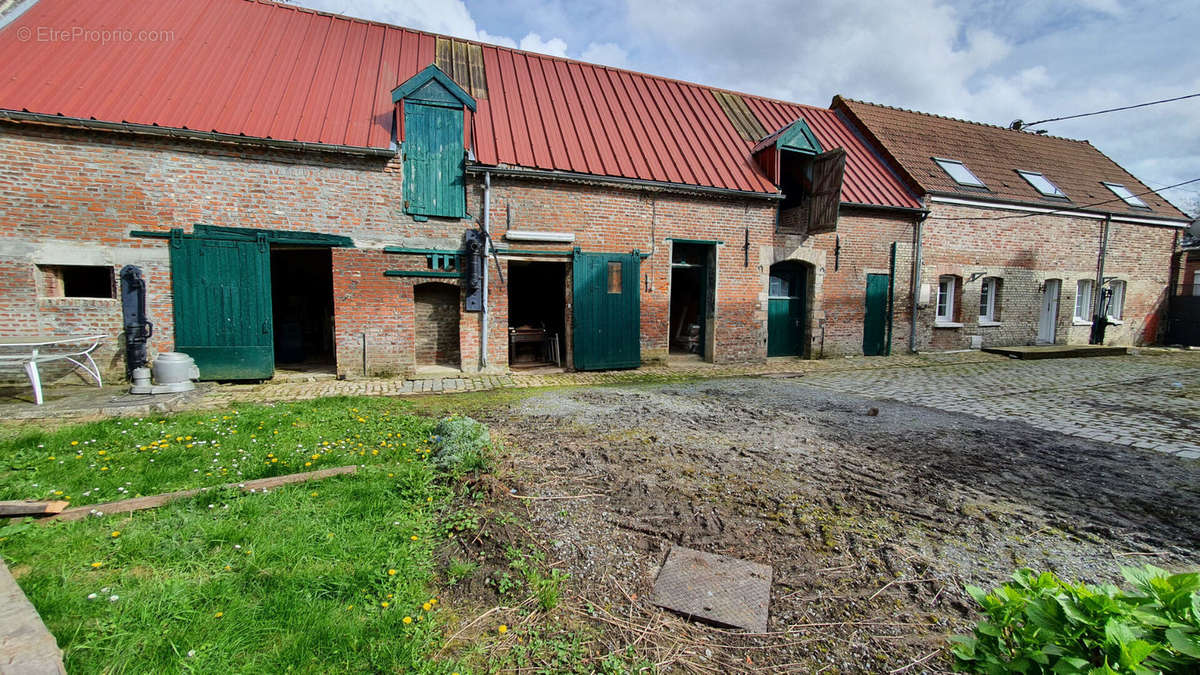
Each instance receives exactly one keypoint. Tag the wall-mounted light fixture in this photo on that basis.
(975, 275)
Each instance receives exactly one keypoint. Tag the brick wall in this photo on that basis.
(1024, 252)
(841, 262)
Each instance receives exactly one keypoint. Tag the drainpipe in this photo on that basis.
(916, 279)
(487, 245)
(1099, 318)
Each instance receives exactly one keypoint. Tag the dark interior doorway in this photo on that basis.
(691, 281)
(302, 307)
(537, 305)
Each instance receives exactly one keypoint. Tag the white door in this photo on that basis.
(1049, 315)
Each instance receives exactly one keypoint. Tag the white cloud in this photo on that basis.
(606, 53)
(553, 47)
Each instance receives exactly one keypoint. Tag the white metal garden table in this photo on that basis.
(31, 350)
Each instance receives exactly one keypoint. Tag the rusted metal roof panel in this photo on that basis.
(267, 70)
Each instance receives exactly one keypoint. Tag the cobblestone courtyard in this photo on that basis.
(1148, 400)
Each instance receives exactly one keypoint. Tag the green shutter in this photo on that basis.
(222, 292)
(433, 161)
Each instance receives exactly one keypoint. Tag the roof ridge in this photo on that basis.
(663, 78)
(964, 121)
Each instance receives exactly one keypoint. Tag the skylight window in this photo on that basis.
(959, 172)
(1042, 184)
(1124, 193)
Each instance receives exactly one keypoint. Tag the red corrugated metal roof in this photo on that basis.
(267, 70)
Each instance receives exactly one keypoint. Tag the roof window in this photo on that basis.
(959, 172)
(1042, 184)
(1124, 193)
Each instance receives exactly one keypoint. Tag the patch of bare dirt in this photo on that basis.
(872, 523)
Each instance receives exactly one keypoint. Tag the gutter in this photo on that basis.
(918, 227)
(22, 117)
(632, 183)
(945, 198)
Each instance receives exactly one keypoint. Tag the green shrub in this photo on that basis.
(461, 445)
(1041, 624)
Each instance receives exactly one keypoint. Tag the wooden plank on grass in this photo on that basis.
(30, 508)
(154, 501)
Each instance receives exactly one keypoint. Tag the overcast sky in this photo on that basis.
(984, 60)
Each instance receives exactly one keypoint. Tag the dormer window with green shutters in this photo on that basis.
(432, 110)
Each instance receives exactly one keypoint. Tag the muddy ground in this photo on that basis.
(872, 514)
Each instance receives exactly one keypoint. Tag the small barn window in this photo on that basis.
(1126, 196)
(1116, 300)
(1083, 300)
(947, 286)
(614, 278)
(989, 295)
(1042, 184)
(77, 281)
(959, 172)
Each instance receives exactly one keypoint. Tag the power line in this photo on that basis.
(1072, 208)
(1018, 125)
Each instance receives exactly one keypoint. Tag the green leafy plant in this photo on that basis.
(1041, 624)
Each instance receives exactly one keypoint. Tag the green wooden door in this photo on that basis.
(786, 310)
(222, 290)
(607, 311)
(433, 161)
(875, 320)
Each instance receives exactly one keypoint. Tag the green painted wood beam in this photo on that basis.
(420, 251)
(251, 234)
(709, 242)
(423, 273)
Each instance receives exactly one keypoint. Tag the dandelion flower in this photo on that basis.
(391, 573)
(97, 565)
(51, 457)
(408, 619)
(383, 604)
(414, 537)
(427, 607)
(219, 615)
(74, 442)
(116, 533)
(502, 629)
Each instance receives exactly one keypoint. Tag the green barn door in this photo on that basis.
(607, 311)
(875, 320)
(785, 310)
(222, 289)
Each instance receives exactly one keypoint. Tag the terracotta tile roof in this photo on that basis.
(995, 154)
(267, 70)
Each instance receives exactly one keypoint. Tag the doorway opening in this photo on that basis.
(302, 308)
(436, 322)
(691, 306)
(537, 314)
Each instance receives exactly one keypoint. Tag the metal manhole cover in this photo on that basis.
(715, 588)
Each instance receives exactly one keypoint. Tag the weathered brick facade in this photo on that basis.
(72, 197)
(1025, 251)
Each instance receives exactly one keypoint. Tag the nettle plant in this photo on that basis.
(1041, 624)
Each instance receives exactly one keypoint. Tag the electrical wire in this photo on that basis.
(1070, 208)
(1019, 125)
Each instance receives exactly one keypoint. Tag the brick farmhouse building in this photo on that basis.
(303, 188)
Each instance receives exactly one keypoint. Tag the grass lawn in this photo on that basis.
(327, 576)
